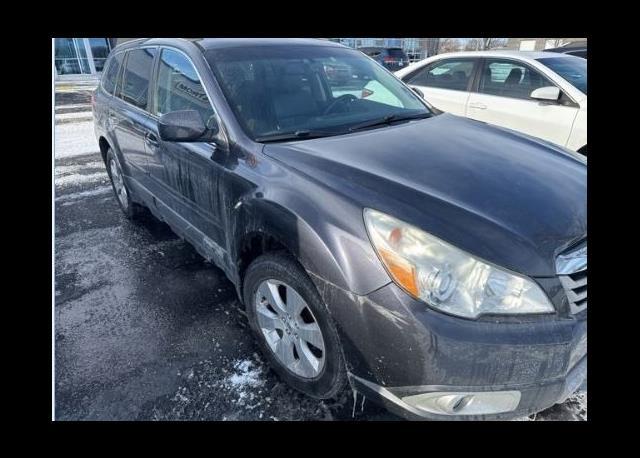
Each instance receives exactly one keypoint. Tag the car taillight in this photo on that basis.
(388, 59)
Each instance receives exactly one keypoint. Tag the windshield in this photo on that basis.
(275, 90)
(571, 68)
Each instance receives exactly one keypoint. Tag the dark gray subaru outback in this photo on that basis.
(436, 263)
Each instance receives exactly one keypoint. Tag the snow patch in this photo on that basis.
(77, 178)
(75, 139)
(245, 376)
(81, 195)
(61, 170)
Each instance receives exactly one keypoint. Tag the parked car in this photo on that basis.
(577, 48)
(435, 263)
(539, 93)
(391, 58)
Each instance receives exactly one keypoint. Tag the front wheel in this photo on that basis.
(293, 326)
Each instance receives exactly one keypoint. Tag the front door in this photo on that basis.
(503, 99)
(183, 175)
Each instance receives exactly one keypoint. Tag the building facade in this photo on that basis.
(81, 56)
(539, 44)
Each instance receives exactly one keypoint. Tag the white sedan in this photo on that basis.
(543, 94)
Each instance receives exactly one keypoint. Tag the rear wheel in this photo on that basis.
(131, 209)
(293, 326)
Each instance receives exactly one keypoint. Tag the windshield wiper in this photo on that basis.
(295, 135)
(388, 120)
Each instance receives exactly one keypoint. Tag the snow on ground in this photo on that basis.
(74, 175)
(244, 376)
(71, 198)
(75, 139)
(79, 116)
(77, 178)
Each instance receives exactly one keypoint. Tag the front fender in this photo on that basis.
(338, 251)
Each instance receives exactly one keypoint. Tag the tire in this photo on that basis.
(131, 209)
(279, 274)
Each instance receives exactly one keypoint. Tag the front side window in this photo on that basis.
(178, 87)
(276, 89)
(110, 76)
(506, 78)
(571, 68)
(451, 74)
(136, 76)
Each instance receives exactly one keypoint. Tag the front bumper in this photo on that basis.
(396, 346)
(533, 397)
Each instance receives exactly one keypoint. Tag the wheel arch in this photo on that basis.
(104, 146)
(262, 226)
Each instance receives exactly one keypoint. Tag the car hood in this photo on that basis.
(508, 198)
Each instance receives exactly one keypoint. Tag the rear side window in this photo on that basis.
(136, 76)
(178, 87)
(110, 76)
(447, 74)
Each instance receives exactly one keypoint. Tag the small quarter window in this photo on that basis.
(111, 74)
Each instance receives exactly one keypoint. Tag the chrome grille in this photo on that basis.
(575, 286)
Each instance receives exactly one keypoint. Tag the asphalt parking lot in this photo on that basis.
(145, 329)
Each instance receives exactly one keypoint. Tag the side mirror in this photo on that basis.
(417, 91)
(181, 126)
(548, 93)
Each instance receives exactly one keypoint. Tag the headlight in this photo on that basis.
(446, 277)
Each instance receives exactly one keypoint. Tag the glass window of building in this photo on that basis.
(80, 56)
(71, 56)
(100, 48)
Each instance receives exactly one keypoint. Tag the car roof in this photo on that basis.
(524, 55)
(574, 44)
(217, 43)
(567, 49)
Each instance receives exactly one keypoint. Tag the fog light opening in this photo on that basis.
(465, 403)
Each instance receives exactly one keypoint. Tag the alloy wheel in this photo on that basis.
(290, 329)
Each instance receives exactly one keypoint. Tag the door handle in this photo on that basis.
(150, 139)
(479, 106)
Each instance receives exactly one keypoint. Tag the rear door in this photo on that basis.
(445, 83)
(128, 117)
(183, 175)
(103, 95)
(503, 98)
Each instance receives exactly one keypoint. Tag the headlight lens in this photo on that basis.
(446, 277)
